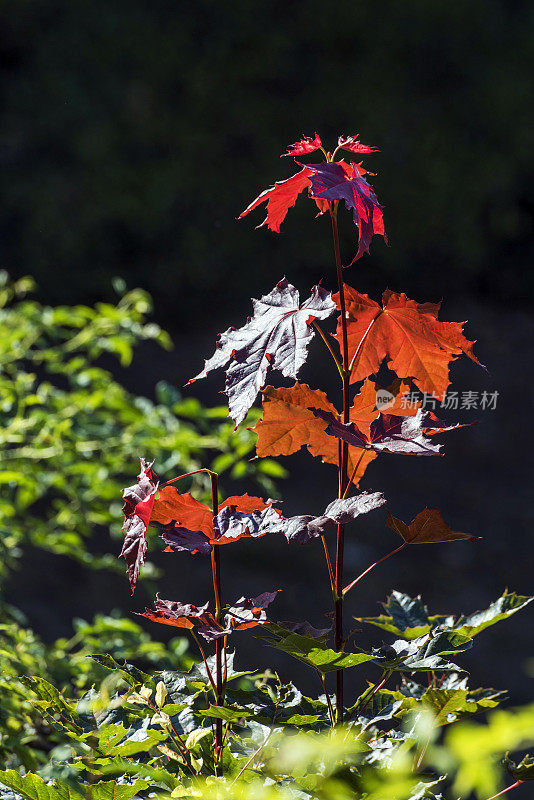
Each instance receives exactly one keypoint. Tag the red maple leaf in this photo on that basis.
(354, 145)
(280, 198)
(187, 524)
(288, 423)
(367, 213)
(304, 146)
(417, 345)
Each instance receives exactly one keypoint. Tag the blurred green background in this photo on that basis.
(133, 134)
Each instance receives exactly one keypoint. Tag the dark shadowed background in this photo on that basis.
(131, 136)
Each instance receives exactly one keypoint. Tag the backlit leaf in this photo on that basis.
(409, 335)
(330, 181)
(289, 423)
(428, 527)
(304, 146)
(389, 433)
(277, 335)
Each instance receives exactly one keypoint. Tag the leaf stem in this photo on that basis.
(342, 466)
(329, 702)
(354, 471)
(188, 474)
(329, 565)
(375, 564)
(330, 348)
(500, 794)
(205, 660)
(366, 699)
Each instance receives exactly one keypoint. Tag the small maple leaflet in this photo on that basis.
(409, 335)
(428, 527)
(304, 146)
(353, 144)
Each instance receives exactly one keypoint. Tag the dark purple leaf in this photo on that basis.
(305, 629)
(249, 612)
(138, 502)
(389, 433)
(278, 334)
(302, 529)
(232, 524)
(179, 539)
(330, 181)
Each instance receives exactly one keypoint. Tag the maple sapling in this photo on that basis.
(406, 335)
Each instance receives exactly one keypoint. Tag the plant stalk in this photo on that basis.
(216, 572)
(342, 467)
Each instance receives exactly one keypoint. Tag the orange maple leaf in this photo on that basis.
(417, 345)
(288, 424)
(183, 509)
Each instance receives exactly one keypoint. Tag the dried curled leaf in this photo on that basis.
(249, 612)
(245, 613)
(428, 527)
(138, 503)
(409, 335)
(277, 335)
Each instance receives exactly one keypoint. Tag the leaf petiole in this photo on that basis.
(372, 566)
(330, 348)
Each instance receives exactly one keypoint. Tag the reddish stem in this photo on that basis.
(187, 475)
(375, 564)
(366, 700)
(500, 794)
(216, 572)
(342, 467)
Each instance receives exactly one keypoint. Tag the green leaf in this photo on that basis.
(407, 617)
(524, 771)
(226, 713)
(318, 655)
(504, 607)
(33, 787)
(423, 654)
(133, 676)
